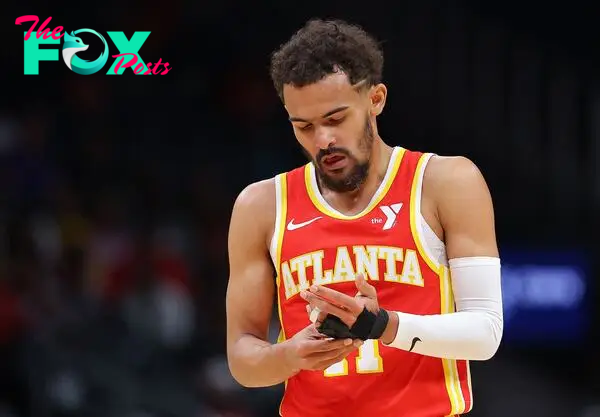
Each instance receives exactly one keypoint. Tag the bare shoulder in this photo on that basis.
(457, 201)
(254, 209)
(456, 172)
(257, 197)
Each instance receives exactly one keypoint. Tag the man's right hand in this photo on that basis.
(310, 350)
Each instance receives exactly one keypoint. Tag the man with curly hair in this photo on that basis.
(383, 260)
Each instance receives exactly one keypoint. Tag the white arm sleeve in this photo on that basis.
(474, 331)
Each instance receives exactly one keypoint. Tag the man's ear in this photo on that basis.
(378, 95)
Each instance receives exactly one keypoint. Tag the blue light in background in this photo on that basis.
(544, 296)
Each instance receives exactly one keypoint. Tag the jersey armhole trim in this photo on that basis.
(277, 242)
(280, 217)
(416, 218)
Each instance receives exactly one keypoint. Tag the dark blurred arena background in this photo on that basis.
(116, 191)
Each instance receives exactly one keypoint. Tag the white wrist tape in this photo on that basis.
(475, 330)
(314, 314)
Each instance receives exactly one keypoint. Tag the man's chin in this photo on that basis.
(335, 175)
(341, 183)
(347, 178)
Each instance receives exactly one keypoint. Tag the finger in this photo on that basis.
(323, 362)
(310, 313)
(327, 308)
(336, 298)
(322, 316)
(364, 288)
(309, 347)
(328, 354)
(331, 356)
(326, 363)
(314, 314)
(311, 332)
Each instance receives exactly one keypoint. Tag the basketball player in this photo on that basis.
(397, 244)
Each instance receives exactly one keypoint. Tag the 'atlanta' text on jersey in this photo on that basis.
(399, 266)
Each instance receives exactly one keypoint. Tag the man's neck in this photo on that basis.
(355, 201)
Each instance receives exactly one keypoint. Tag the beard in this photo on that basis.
(360, 168)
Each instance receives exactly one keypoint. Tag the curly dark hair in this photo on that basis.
(323, 47)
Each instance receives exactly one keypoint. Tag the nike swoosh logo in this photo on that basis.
(293, 226)
(414, 342)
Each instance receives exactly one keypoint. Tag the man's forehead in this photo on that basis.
(314, 100)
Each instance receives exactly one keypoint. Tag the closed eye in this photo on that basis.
(304, 128)
(335, 122)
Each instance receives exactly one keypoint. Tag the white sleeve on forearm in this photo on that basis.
(474, 331)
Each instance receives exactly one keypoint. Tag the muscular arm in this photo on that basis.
(464, 207)
(463, 215)
(253, 361)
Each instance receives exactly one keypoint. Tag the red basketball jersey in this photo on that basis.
(315, 244)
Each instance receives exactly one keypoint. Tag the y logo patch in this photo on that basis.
(391, 212)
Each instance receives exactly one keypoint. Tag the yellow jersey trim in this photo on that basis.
(280, 218)
(310, 179)
(470, 387)
(451, 377)
(415, 212)
(281, 193)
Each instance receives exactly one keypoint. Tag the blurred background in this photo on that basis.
(116, 192)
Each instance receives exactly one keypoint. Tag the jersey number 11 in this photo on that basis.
(368, 361)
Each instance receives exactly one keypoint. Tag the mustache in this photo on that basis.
(329, 151)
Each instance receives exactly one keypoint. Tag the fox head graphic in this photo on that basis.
(72, 45)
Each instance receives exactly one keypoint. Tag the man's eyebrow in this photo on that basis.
(329, 113)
